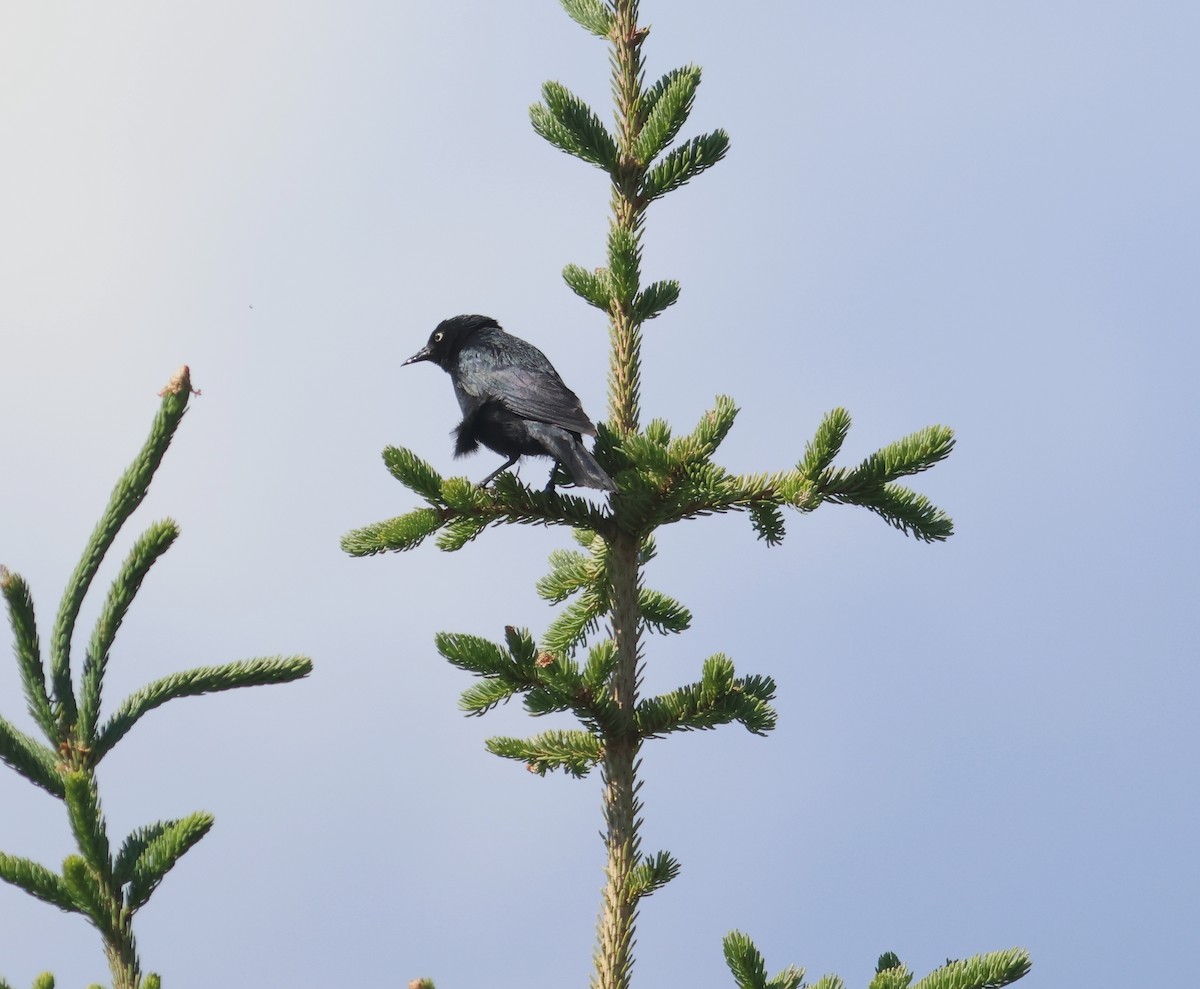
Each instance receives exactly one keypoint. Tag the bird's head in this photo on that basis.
(448, 339)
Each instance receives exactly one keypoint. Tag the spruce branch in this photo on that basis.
(667, 114)
(655, 299)
(891, 977)
(145, 553)
(594, 287)
(591, 15)
(716, 699)
(30, 758)
(478, 655)
(28, 650)
(989, 971)
(92, 882)
(710, 432)
(683, 164)
(132, 847)
(464, 510)
(572, 126)
(906, 510)
(997, 968)
(126, 496)
(663, 614)
(43, 981)
(767, 520)
(514, 502)
(748, 968)
(650, 97)
(826, 444)
(37, 881)
(192, 683)
(89, 897)
(652, 874)
(172, 840)
(87, 822)
(394, 535)
(574, 752)
(413, 472)
(573, 625)
(599, 667)
(479, 698)
(570, 572)
(458, 532)
(910, 455)
(624, 262)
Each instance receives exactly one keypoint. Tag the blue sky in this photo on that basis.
(984, 215)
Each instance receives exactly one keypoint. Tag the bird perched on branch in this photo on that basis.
(512, 399)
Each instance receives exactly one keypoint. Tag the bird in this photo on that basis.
(512, 399)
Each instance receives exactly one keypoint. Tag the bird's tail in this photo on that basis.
(582, 466)
(568, 449)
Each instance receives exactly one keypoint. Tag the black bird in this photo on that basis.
(512, 399)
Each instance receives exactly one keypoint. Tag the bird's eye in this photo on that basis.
(437, 337)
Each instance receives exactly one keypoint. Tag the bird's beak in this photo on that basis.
(423, 354)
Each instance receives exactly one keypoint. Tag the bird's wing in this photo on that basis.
(526, 383)
(539, 395)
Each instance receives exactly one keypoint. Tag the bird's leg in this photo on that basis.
(550, 481)
(497, 472)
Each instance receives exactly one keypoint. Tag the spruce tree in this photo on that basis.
(105, 884)
(588, 661)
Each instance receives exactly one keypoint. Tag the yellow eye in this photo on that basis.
(437, 337)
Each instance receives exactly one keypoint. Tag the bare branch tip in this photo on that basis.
(180, 382)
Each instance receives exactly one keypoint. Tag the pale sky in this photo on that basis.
(984, 215)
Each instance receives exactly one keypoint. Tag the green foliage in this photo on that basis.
(654, 299)
(30, 758)
(37, 881)
(570, 572)
(594, 287)
(683, 164)
(716, 699)
(457, 533)
(90, 897)
(989, 971)
(413, 472)
(997, 968)
(398, 534)
(159, 853)
(666, 113)
(126, 496)
(624, 262)
(891, 976)
(572, 126)
(28, 650)
(750, 971)
(591, 15)
(573, 625)
(663, 614)
(192, 683)
(826, 444)
(652, 874)
(87, 822)
(888, 960)
(149, 547)
(574, 752)
(108, 891)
